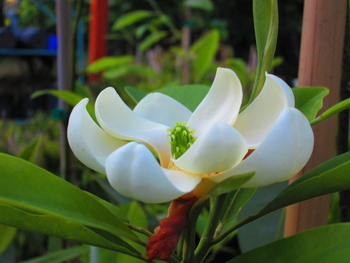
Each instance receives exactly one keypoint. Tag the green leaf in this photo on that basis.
(131, 18)
(329, 177)
(29, 194)
(109, 62)
(203, 51)
(206, 5)
(150, 40)
(343, 105)
(265, 14)
(265, 229)
(135, 93)
(323, 245)
(230, 184)
(309, 100)
(7, 234)
(70, 97)
(188, 95)
(234, 202)
(61, 255)
(141, 71)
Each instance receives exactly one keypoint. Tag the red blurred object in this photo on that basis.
(97, 33)
(167, 234)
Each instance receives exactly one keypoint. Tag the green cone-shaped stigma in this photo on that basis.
(181, 139)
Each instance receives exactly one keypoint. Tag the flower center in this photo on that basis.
(181, 139)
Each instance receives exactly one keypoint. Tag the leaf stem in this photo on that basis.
(139, 230)
(206, 240)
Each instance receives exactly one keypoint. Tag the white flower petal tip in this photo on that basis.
(216, 150)
(90, 144)
(118, 120)
(162, 109)
(221, 104)
(256, 121)
(133, 171)
(281, 155)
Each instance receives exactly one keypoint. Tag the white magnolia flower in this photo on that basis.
(269, 137)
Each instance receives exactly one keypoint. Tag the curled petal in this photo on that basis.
(117, 119)
(221, 104)
(216, 150)
(281, 155)
(90, 144)
(134, 172)
(162, 109)
(255, 122)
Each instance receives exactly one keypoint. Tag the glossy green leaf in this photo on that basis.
(29, 194)
(131, 18)
(265, 14)
(325, 244)
(329, 177)
(230, 184)
(188, 95)
(206, 5)
(265, 229)
(152, 39)
(343, 105)
(69, 97)
(203, 52)
(109, 62)
(61, 255)
(234, 202)
(309, 100)
(7, 234)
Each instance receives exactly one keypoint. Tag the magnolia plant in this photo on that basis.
(204, 161)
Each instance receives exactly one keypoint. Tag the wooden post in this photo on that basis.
(320, 65)
(97, 32)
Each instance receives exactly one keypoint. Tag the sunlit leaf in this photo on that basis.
(323, 245)
(131, 18)
(152, 39)
(203, 52)
(109, 62)
(206, 5)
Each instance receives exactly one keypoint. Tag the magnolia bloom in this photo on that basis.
(215, 142)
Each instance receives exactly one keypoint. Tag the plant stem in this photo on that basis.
(139, 230)
(206, 240)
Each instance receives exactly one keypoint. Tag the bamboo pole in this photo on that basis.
(320, 65)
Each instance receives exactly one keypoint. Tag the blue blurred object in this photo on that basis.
(52, 42)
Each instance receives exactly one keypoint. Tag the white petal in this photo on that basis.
(216, 150)
(90, 144)
(133, 171)
(162, 109)
(221, 104)
(117, 119)
(281, 155)
(255, 122)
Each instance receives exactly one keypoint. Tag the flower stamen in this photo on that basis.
(181, 139)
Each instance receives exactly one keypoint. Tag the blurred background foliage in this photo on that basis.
(146, 51)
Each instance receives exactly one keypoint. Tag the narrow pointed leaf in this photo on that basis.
(7, 234)
(323, 245)
(131, 18)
